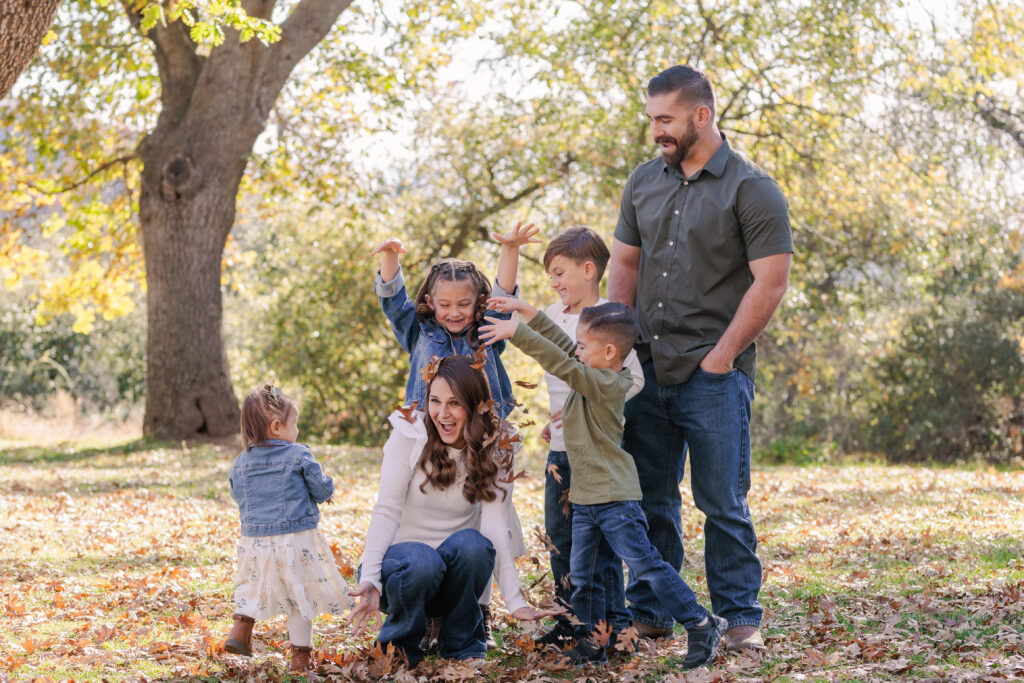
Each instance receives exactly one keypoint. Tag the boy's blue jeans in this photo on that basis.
(709, 416)
(419, 582)
(623, 526)
(558, 526)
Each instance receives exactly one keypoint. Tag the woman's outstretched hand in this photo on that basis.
(531, 614)
(368, 607)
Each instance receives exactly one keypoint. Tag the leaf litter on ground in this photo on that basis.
(117, 563)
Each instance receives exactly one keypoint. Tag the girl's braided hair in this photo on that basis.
(455, 270)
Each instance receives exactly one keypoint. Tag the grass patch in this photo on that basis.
(117, 563)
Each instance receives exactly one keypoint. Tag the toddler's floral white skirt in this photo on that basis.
(288, 574)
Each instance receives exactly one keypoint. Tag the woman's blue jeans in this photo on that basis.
(420, 582)
(709, 417)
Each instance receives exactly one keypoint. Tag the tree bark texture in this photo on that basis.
(213, 109)
(23, 23)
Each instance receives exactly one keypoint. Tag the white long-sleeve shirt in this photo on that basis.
(558, 391)
(405, 513)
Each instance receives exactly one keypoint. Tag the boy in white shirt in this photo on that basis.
(575, 262)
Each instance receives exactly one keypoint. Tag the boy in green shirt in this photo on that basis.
(605, 488)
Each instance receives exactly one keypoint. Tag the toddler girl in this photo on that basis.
(284, 565)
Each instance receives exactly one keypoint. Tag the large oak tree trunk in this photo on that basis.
(23, 23)
(213, 109)
(186, 214)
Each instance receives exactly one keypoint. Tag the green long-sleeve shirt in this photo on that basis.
(592, 417)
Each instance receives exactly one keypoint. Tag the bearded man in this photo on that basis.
(702, 249)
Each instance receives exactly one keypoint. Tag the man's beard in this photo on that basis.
(682, 146)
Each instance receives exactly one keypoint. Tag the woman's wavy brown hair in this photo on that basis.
(481, 433)
(454, 270)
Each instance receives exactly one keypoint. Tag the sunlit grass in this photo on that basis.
(117, 563)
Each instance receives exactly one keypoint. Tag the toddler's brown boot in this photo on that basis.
(302, 658)
(239, 641)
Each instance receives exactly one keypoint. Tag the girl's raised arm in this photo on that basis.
(508, 261)
(389, 251)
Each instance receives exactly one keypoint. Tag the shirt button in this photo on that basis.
(664, 274)
(659, 304)
(655, 337)
(677, 212)
(671, 243)
(686, 182)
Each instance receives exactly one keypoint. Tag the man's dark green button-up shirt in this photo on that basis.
(696, 237)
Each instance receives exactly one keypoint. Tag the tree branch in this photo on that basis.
(99, 169)
(471, 218)
(176, 59)
(306, 26)
(999, 119)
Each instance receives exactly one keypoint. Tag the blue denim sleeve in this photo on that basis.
(231, 483)
(320, 486)
(399, 309)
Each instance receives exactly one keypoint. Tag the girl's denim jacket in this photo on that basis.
(426, 339)
(277, 486)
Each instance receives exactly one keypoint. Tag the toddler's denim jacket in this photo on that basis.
(426, 339)
(277, 486)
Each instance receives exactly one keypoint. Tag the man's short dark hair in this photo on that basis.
(690, 85)
(614, 323)
(579, 244)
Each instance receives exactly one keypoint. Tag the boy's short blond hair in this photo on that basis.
(579, 244)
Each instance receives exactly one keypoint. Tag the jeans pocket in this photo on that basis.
(715, 375)
(635, 514)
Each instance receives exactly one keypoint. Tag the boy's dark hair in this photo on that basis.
(614, 323)
(261, 407)
(455, 270)
(690, 85)
(579, 244)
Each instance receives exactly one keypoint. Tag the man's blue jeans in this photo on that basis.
(622, 525)
(558, 526)
(420, 582)
(709, 416)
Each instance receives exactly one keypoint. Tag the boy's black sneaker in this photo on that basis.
(702, 642)
(585, 651)
(558, 636)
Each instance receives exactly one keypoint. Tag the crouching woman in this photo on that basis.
(440, 525)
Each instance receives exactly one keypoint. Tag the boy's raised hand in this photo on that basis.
(511, 304)
(518, 236)
(497, 329)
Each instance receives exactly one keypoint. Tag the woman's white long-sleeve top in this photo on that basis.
(405, 513)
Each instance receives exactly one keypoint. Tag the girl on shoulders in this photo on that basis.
(449, 307)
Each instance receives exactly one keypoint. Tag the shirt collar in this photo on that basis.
(715, 165)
